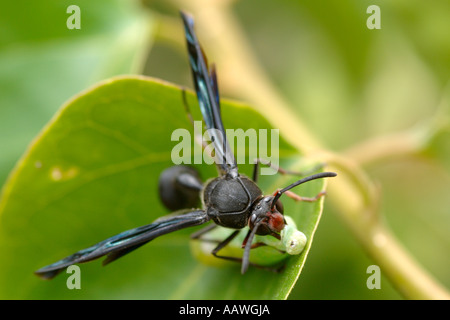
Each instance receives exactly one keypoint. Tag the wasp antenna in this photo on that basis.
(306, 179)
(248, 247)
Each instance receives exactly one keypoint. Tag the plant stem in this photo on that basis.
(353, 193)
(364, 220)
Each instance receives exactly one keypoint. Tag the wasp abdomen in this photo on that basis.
(179, 187)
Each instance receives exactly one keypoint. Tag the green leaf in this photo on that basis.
(43, 63)
(93, 172)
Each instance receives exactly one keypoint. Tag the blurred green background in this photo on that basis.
(355, 82)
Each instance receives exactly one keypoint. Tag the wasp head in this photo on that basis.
(266, 217)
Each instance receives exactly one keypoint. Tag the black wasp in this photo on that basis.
(231, 200)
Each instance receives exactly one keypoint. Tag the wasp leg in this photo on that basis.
(197, 235)
(296, 197)
(186, 106)
(197, 135)
(280, 170)
(224, 243)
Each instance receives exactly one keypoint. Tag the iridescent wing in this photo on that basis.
(207, 90)
(127, 241)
